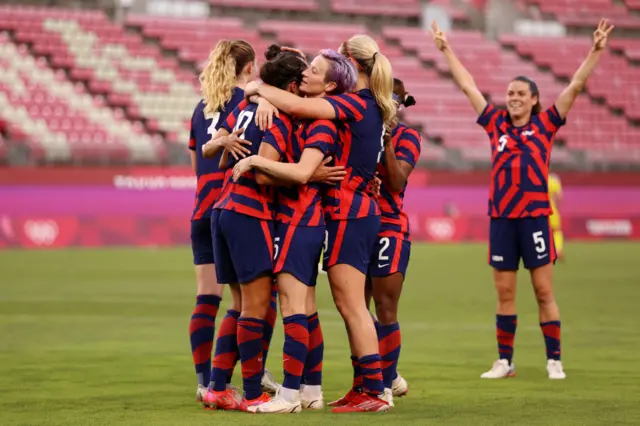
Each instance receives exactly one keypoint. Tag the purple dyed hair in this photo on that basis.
(341, 71)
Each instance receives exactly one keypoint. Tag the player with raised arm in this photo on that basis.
(300, 230)
(521, 139)
(352, 210)
(555, 197)
(243, 236)
(230, 67)
(390, 259)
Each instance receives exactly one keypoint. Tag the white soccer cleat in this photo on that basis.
(200, 393)
(280, 405)
(555, 371)
(399, 386)
(388, 396)
(500, 370)
(311, 398)
(269, 384)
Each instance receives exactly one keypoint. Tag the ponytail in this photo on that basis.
(364, 51)
(381, 85)
(220, 74)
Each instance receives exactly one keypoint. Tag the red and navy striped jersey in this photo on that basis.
(394, 221)
(301, 205)
(520, 162)
(245, 196)
(210, 177)
(360, 149)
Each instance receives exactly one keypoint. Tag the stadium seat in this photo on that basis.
(290, 5)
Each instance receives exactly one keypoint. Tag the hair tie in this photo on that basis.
(374, 56)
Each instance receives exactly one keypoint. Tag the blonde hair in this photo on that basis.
(366, 53)
(219, 76)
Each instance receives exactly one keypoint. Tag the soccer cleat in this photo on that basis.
(500, 369)
(387, 396)
(269, 384)
(399, 386)
(252, 405)
(311, 400)
(224, 400)
(345, 399)
(363, 403)
(200, 393)
(554, 369)
(279, 405)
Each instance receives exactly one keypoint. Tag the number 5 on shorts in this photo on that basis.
(276, 247)
(541, 247)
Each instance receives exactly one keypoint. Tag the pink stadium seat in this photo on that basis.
(298, 5)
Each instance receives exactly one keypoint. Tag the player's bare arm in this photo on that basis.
(231, 142)
(579, 80)
(317, 108)
(398, 171)
(294, 173)
(267, 152)
(461, 76)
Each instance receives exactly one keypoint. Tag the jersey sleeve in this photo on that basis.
(278, 135)
(232, 118)
(348, 106)
(551, 120)
(322, 135)
(488, 117)
(409, 147)
(192, 138)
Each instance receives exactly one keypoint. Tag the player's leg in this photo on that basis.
(387, 273)
(209, 294)
(539, 256)
(221, 395)
(504, 257)
(296, 253)
(350, 246)
(268, 382)
(311, 390)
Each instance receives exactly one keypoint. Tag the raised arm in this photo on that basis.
(578, 82)
(461, 76)
(291, 104)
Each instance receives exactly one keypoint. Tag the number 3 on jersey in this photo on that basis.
(244, 119)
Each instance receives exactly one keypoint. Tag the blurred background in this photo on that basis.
(95, 102)
(96, 98)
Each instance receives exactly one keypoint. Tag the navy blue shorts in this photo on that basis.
(201, 241)
(350, 242)
(389, 256)
(528, 238)
(298, 250)
(243, 247)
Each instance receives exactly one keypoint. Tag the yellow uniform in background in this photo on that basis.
(555, 195)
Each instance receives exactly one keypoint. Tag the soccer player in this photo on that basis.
(521, 139)
(390, 258)
(555, 196)
(353, 212)
(230, 67)
(243, 236)
(300, 230)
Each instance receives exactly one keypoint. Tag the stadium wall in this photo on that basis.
(61, 207)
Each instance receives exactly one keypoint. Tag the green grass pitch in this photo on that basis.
(100, 337)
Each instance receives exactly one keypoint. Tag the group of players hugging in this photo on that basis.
(310, 162)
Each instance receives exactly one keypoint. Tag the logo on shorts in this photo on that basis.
(382, 266)
(497, 258)
(542, 256)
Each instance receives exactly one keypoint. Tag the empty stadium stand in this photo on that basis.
(76, 86)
